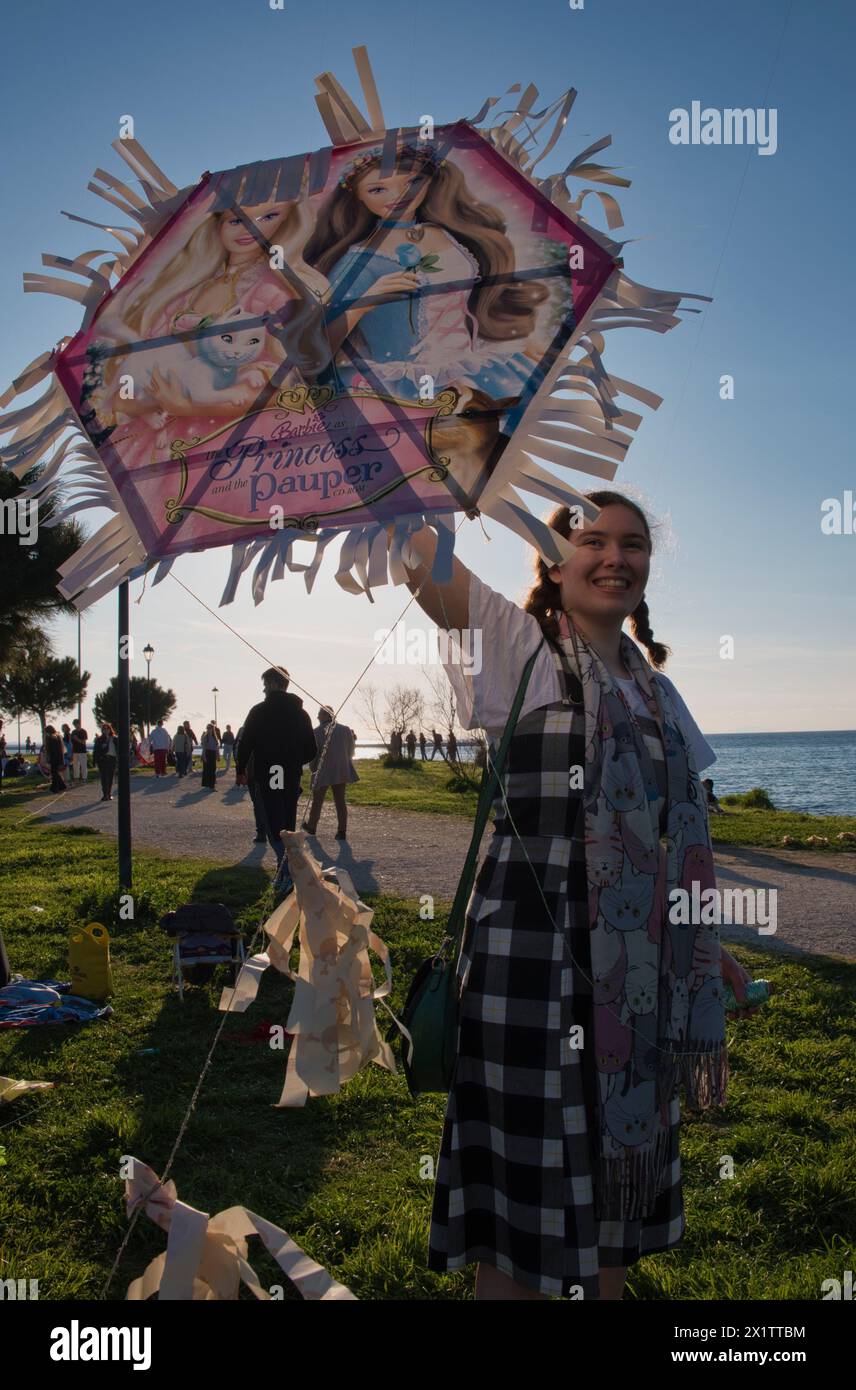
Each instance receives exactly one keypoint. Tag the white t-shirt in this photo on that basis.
(486, 685)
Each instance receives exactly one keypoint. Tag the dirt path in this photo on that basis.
(406, 854)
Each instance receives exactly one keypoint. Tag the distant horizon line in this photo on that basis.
(753, 733)
(468, 734)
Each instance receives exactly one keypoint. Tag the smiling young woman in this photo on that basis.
(584, 1011)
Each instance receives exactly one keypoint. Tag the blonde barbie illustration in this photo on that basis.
(223, 282)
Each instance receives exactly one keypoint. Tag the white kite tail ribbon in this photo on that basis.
(206, 1257)
(332, 1019)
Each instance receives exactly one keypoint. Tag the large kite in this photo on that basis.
(402, 326)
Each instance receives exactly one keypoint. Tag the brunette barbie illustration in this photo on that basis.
(405, 236)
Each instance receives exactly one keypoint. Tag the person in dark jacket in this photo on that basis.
(258, 813)
(278, 736)
(210, 751)
(105, 755)
(55, 754)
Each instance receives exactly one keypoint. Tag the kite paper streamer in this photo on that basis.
(206, 1257)
(401, 326)
(10, 1089)
(332, 1016)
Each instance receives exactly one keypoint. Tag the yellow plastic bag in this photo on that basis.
(89, 962)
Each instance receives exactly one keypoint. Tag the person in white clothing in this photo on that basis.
(160, 743)
(484, 697)
(527, 1152)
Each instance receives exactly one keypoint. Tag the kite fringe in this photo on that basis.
(595, 439)
(343, 120)
(207, 1257)
(573, 423)
(367, 559)
(111, 555)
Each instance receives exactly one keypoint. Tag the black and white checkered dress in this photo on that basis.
(514, 1185)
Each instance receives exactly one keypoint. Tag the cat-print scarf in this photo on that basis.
(659, 1021)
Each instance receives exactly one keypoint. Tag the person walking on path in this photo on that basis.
(258, 811)
(277, 735)
(105, 756)
(228, 742)
(332, 770)
(584, 1009)
(182, 747)
(79, 761)
(161, 743)
(210, 751)
(193, 742)
(411, 745)
(55, 753)
(68, 755)
(261, 837)
(438, 744)
(423, 743)
(452, 747)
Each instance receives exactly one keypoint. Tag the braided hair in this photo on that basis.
(544, 602)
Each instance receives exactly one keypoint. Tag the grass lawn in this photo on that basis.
(767, 829)
(420, 787)
(342, 1175)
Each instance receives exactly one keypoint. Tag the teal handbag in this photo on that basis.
(429, 1019)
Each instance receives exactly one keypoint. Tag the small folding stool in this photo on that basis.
(205, 936)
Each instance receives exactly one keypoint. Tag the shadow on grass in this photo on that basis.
(342, 857)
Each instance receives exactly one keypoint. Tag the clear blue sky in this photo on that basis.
(212, 83)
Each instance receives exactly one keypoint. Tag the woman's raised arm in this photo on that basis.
(447, 605)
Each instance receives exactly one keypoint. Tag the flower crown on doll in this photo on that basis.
(423, 154)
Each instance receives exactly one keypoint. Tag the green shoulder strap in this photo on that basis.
(490, 781)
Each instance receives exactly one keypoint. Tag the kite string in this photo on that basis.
(414, 596)
(240, 636)
(209, 1058)
(181, 1131)
(356, 683)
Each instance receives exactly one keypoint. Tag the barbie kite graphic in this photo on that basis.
(191, 383)
(398, 240)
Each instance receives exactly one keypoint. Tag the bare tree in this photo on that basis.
(444, 707)
(369, 705)
(403, 706)
(445, 710)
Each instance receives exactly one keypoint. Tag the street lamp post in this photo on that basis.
(148, 653)
(215, 692)
(79, 670)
